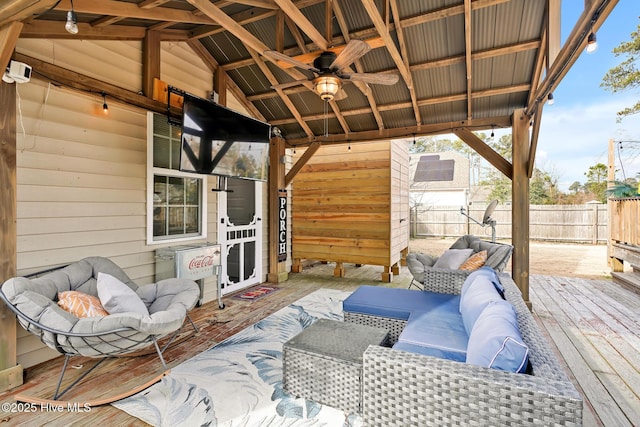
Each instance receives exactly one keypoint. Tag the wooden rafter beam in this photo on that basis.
(363, 87)
(467, 54)
(405, 105)
(71, 79)
(404, 132)
(537, 121)
(590, 20)
(383, 30)
(131, 10)
(488, 153)
(272, 79)
(553, 31)
(9, 34)
(297, 35)
(19, 10)
(292, 11)
(309, 152)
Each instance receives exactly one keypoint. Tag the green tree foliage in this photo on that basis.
(626, 75)
(597, 181)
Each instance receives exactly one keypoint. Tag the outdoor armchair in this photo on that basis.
(425, 269)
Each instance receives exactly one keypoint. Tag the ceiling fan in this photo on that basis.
(330, 70)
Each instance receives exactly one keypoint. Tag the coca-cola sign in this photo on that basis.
(200, 262)
(197, 263)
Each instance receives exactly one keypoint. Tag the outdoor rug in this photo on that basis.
(255, 293)
(238, 382)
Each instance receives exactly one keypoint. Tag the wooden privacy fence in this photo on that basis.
(624, 243)
(561, 223)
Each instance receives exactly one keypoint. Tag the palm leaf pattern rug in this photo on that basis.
(238, 382)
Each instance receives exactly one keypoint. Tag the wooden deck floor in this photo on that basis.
(592, 323)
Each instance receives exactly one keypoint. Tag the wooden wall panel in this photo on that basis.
(345, 204)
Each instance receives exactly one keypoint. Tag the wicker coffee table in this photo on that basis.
(323, 363)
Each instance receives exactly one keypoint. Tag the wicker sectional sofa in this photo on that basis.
(402, 388)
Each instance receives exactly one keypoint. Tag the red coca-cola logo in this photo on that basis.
(201, 262)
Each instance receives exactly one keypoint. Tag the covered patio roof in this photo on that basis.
(461, 66)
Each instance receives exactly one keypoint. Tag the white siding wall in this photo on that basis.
(82, 174)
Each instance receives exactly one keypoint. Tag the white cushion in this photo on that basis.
(452, 258)
(117, 297)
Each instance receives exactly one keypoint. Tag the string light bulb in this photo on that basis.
(72, 21)
(550, 99)
(105, 107)
(592, 43)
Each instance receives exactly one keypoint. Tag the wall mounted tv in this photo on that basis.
(219, 141)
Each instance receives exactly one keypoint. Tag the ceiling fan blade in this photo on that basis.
(354, 50)
(277, 56)
(373, 78)
(342, 94)
(289, 84)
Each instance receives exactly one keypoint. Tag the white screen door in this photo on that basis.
(240, 234)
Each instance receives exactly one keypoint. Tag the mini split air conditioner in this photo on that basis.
(17, 72)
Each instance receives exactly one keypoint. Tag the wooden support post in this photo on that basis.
(339, 270)
(220, 85)
(395, 269)
(615, 264)
(296, 266)
(520, 203)
(151, 61)
(387, 274)
(277, 268)
(10, 371)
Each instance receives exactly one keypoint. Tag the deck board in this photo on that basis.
(591, 324)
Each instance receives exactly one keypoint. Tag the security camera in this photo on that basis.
(18, 72)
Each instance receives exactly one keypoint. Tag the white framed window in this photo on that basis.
(176, 201)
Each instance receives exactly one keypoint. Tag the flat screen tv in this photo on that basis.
(219, 141)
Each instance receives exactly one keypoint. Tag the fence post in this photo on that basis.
(594, 223)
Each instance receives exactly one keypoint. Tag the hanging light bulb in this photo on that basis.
(550, 99)
(492, 133)
(72, 21)
(105, 107)
(592, 43)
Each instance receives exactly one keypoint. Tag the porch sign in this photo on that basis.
(282, 225)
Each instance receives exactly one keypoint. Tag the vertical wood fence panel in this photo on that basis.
(560, 223)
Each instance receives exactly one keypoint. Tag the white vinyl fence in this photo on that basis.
(561, 223)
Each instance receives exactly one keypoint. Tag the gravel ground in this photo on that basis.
(554, 259)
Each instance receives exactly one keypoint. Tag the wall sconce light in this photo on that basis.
(327, 87)
(105, 107)
(550, 99)
(592, 43)
(72, 21)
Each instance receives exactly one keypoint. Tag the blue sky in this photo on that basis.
(576, 129)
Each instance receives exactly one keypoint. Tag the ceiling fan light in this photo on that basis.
(327, 87)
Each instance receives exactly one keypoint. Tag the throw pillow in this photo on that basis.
(80, 304)
(475, 261)
(452, 259)
(495, 341)
(117, 297)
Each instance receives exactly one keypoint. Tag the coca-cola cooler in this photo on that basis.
(194, 262)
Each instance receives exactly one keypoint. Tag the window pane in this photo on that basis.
(161, 152)
(192, 191)
(176, 191)
(175, 154)
(159, 221)
(176, 220)
(192, 220)
(159, 190)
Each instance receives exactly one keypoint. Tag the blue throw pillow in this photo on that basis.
(495, 341)
(479, 292)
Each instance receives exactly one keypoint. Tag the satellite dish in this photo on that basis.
(486, 218)
(488, 212)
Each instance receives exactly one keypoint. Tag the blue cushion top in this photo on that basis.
(495, 341)
(439, 331)
(479, 290)
(397, 303)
